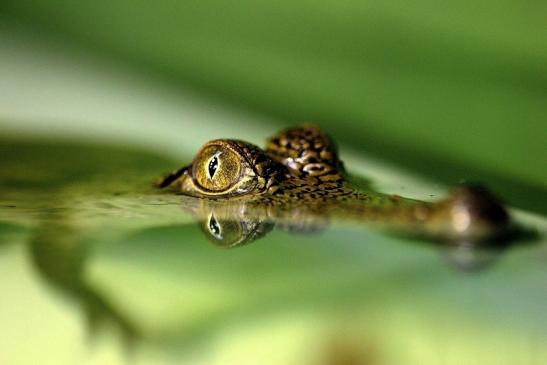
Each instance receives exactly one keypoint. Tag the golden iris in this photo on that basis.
(216, 168)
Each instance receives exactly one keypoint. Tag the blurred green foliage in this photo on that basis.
(451, 90)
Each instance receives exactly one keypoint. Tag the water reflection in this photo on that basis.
(60, 249)
(60, 252)
(230, 225)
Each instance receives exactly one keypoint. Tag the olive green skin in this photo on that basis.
(299, 177)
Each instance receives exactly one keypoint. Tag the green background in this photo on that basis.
(452, 90)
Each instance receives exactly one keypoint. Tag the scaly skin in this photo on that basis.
(298, 180)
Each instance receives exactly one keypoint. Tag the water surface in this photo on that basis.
(98, 266)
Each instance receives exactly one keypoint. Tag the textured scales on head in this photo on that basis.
(306, 151)
(315, 172)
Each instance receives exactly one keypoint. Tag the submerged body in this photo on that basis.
(299, 174)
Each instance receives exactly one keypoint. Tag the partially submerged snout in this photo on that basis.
(473, 213)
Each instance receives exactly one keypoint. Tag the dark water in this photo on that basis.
(97, 266)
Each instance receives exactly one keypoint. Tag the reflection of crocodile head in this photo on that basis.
(230, 232)
(231, 224)
(234, 223)
(228, 224)
(470, 257)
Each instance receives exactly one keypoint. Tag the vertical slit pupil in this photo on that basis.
(213, 165)
(214, 228)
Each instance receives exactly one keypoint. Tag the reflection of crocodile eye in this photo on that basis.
(213, 165)
(214, 227)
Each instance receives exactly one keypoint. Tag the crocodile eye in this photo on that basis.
(226, 167)
(217, 168)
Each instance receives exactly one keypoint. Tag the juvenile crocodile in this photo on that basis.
(298, 176)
